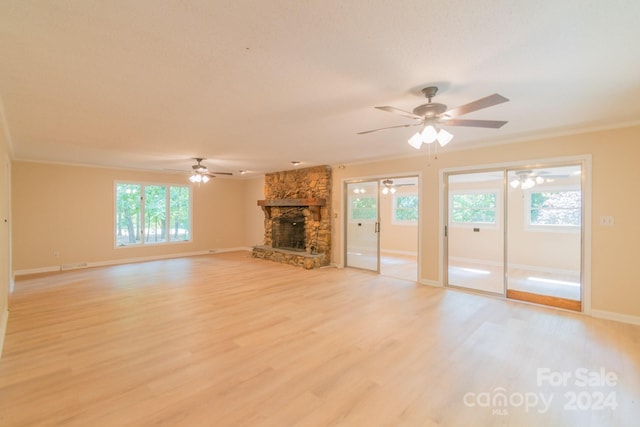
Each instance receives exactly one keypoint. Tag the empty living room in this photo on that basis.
(284, 213)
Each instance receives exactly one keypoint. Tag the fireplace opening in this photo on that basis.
(289, 233)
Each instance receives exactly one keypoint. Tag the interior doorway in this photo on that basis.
(382, 223)
(517, 232)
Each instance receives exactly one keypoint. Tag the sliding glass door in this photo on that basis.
(517, 232)
(363, 225)
(544, 235)
(475, 231)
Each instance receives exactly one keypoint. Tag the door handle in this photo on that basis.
(377, 228)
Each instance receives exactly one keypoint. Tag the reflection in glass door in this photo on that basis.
(363, 232)
(544, 235)
(475, 231)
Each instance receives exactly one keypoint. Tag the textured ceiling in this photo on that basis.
(255, 84)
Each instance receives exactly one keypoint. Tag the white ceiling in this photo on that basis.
(256, 84)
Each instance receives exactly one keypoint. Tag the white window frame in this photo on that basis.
(394, 205)
(485, 225)
(547, 228)
(143, 241)
(350, 207)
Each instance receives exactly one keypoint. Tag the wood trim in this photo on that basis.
(551, 301)
(313, 205)
(292, 202)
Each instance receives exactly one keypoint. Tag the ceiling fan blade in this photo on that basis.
(487, 101)
(492, 124)
(218, 173)
(399, 112)
(389, 127)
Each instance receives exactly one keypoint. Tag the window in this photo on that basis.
(477, 207)
(363, 208)
(555, 208)
(405, 209)
(152, 214)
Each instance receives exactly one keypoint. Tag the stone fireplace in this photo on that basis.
(297, 225)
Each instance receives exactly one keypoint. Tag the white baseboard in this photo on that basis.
(475, 261)
(394, 252)
(618, 317)
(433, 283)
(126, 261)
(3, 329)
(239, 248)
(38, 270)
(560, 271)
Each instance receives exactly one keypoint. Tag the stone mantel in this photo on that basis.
(313, 205)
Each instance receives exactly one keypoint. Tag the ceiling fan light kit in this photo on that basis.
(416, 141)
(386, 190)
(433, 115)
(200, 173)
(429, 135)
(388, 187)
(527, 179)
(197, 177)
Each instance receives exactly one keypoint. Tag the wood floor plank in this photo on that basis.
(228, 340)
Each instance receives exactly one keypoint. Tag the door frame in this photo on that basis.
(584, 160)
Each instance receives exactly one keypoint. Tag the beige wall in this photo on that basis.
(254, 189)
(397, 238)
(552, 250)
(615, 287)
(487, 244)
(70, 210)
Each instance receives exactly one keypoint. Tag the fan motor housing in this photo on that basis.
(431, 109)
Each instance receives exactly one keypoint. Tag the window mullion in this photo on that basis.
(143, 201)
(167, 213)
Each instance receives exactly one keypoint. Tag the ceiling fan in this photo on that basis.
(200, 173)
(432, 115)
(526, 179)
(388, 186)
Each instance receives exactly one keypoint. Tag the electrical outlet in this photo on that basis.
(606, 221)
(56, 254)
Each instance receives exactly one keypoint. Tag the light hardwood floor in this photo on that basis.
(227, 340)
(399, 266)
(392, 265)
